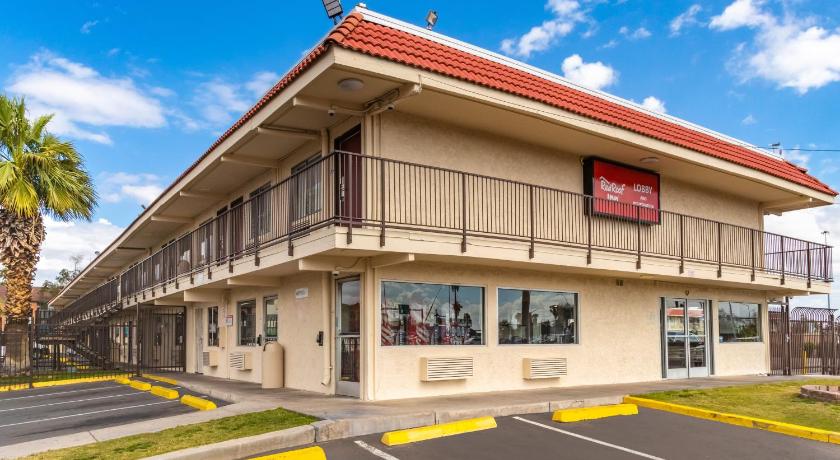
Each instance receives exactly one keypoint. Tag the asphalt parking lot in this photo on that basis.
(651, 434)
(28, 415)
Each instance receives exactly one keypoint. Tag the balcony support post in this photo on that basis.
(531, 209)
(463, 212)
(381, 203)
(808, 261)
(719, 250)
(752, 255)
(638, 237)
(589, 209)
(682, 244)
(782, 253)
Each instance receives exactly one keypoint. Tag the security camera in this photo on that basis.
(335, 273)
(331, 112)
(390, 106)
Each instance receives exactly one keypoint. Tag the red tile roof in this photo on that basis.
(357, 34)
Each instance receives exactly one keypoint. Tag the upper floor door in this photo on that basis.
(348, 177)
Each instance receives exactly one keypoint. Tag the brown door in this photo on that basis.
(348, 167)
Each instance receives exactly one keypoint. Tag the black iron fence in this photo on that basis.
(804, 340)
(351, 190)
(43, 352)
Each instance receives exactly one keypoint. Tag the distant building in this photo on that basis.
(40, 299)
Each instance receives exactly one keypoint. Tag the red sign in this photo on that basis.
(622, 191)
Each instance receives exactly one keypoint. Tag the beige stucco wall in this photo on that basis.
(299, 321)
(410, 138)
(619, 334)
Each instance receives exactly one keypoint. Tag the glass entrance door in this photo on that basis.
(685, 341)
(348, 337)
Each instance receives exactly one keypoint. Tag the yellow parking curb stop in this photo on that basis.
(789, 429)
(158, 378)
(123, 380)
(592, 413)
(423, 433)
(308, 453)
(167, 393)
(138, 385)
(198, 403)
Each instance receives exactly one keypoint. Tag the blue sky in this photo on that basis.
(143, 88)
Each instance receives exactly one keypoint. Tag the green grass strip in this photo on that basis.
(772, 401)
(182, 437)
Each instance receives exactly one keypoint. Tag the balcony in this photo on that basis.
(358, 192)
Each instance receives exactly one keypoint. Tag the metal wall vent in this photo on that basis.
(434, 369)
(544, 368)
(240, 360)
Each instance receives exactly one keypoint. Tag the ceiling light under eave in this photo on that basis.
(351, 84)
(649, 160)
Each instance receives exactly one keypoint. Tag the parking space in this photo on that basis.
(40, 413)
(651, 435)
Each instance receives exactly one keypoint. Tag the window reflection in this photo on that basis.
(537, 317)
(431, 314)
(739, 322)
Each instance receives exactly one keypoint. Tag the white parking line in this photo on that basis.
(2, 400)
(73, 401)
(86, 413)
(586, 438)
(375, 451)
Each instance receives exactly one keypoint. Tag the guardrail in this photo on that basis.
(352, 190)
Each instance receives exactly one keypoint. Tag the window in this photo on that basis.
(306, 187)
(270, 305)
(739, 322)
(537, 317)
(259, 209)
(213, 327)
(431, 314)
(247, 322)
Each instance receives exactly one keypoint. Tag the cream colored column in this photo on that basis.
(369, 332)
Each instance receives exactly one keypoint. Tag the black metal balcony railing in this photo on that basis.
(353, 191)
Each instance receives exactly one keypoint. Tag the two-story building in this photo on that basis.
(410, 215)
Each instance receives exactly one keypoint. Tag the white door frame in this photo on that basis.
(199, 340)
(344, 387)
(687, 371)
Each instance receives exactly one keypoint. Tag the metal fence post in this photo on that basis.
(531, 209)
(463, 212)
(720, 250)
(638, 238)
(782, 254)
(808, 261)
(381, 202)
(682, 244)
(31, 351)
(588, 200)
(752, 255)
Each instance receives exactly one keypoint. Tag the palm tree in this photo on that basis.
(40, 174)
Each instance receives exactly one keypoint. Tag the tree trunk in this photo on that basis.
(20, 245)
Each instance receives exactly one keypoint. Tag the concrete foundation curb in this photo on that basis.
(789, 429)
(244, 447)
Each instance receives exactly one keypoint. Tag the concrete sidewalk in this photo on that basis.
(344, 417)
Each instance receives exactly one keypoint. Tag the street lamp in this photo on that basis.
(825, 234)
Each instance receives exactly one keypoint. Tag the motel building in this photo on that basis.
(409, 215)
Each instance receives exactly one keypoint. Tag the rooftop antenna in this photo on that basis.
(431, 19)
(333, 9)
(777, 148)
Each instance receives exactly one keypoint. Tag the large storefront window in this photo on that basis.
(541, 317)
(739, 322)
(247, 322)
(431, 314)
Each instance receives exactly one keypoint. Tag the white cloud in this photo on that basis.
(749, 120)
(567, 14)
(218, 101)
(261, 82)
(741, 13)
(595, 75)
(653, 104)
(808, 224)
(790, 51)
(67, 239)
(685, 19)
(141, 188)
(637, 34)
(87, 26)
(796, 156)
(609, 44)
(82, 99)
